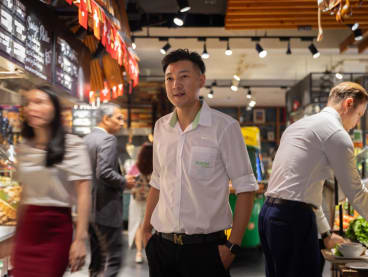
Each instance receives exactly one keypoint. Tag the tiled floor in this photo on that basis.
(249, 264)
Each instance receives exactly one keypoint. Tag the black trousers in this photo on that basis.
(106, 250)
(166, 259)
(289, 240)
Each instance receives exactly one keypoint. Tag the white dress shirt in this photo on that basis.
(310, 150)
(192, 169)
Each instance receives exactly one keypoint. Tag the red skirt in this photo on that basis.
(42, 242)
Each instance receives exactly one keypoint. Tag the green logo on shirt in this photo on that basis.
(203, 164)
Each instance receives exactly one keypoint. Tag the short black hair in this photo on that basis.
(183, 54)
(56, 146)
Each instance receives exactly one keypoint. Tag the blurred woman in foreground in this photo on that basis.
(54, 171)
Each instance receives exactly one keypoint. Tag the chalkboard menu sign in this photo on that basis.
(66, 66)
(20, 10)
(38, 48)
(7, 3)
(6, 19)
(6, 43)
(26, 40)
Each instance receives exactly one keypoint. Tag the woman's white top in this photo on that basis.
(52, 186)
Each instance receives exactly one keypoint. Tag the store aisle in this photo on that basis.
(249, 264)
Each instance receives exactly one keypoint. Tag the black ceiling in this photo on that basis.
(160, 13)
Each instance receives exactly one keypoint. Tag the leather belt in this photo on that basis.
(183, 239)
(290, 203)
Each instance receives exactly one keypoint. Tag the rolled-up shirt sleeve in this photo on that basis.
(339, 150)
(322, 223)
(235, 157)
(155, 177)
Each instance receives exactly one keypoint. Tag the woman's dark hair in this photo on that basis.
(182, 55)
(56, 146)
(144, 161)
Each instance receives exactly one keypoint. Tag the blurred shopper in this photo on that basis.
(54, 171)
(137, 205)
(107, 193)
(310, 150)
(196, 151)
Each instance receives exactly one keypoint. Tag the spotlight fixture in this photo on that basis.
(205, 54)
(134, 46)
(261, 52)
(165, 48)
(179, 19)
(210, 94)
(339, 76)
(358, 34)
(236, 77)
(228, 51)
(288, 51)
(314, 51)
(183, 5)
(234, 88)
(355, 26)
(249, 95)
(252, 103)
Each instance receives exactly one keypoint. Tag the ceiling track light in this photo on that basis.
(358, 34)
(339, 76)
(234, 88)
(165, 48)
(134, 46)
(183, 5)
(228, 50)
(288, 51)
(249, 95)
(210, 94)
(252, 103)
(261, 52)
(355, 26)
(205, 54)
(314, 51)
(179, 19)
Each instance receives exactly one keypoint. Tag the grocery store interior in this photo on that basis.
(269, 63)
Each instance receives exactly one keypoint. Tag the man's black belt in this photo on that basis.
(183, 239)
(290, 203)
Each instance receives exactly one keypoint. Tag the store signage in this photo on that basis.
(66, 66)
(20, 10)
(6, 19)
(20, 30)
(38, 48)
(7, 3)
(6, 44)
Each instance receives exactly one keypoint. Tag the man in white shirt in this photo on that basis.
(196, 150)
(310, 150)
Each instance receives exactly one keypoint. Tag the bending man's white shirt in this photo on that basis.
(194, 166)
(309, 150)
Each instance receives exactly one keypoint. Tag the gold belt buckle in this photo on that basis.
(178, 239)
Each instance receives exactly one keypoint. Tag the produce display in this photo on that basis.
(9, 198)
(358, 231)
